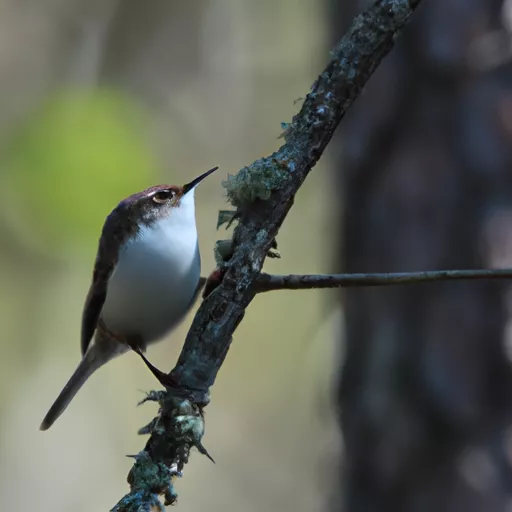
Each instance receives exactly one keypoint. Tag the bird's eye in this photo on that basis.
(163, 196)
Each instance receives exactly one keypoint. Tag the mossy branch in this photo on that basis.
(263, 194)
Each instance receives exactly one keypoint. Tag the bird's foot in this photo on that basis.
(138, 346)
(213, 280)
(164, 378)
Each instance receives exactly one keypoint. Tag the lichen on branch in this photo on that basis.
(256, 181)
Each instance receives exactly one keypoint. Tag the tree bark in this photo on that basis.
(424, 166)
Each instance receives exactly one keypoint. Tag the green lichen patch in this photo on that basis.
(149, 475)
(256, 181)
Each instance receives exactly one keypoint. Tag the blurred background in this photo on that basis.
(99, 99)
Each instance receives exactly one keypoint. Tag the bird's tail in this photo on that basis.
(91, 361)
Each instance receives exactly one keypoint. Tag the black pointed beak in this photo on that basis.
(189, 186)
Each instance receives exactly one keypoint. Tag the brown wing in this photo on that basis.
(115, 231)
(92, 310)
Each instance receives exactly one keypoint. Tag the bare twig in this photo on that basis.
(268, 282)
(263, 194)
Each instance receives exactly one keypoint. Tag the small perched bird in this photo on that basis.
(146, 278)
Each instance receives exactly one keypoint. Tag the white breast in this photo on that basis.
(156, 277)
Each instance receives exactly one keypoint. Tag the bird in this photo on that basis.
(146, 278)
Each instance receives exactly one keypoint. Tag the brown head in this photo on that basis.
(144, 208)
(157, 201)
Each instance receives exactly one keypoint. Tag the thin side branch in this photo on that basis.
(268, 282)
(263, 194)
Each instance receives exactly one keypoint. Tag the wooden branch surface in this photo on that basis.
(272, 282)
(354, 59)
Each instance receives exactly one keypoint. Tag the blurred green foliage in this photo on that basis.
(73, 160)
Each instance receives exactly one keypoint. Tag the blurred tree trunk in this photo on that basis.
(426, 172)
